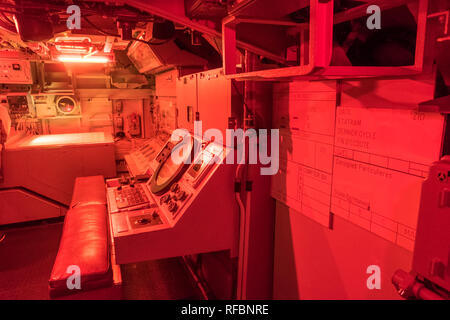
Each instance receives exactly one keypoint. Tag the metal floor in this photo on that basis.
(26, 260)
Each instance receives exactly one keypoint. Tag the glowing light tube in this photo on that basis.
(80, 59)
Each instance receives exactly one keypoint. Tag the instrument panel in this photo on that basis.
(14, 71)
(172, 185)
(140, 160)
(20, 106)
(204, 161)
(42, 106)
(195, 212)
(168, 170)
(130, 196)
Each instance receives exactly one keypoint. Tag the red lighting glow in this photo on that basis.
(81, 59)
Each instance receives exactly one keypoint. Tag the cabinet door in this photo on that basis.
(187, 101)
(165, 83)
(214, 100)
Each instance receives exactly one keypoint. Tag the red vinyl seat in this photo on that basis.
(88, 190)
(84, 241)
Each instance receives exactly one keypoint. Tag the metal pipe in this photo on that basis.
(242, 212)
(196, 278)
(245, 243)
(409, 287)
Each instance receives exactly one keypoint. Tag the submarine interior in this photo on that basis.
(224, 150)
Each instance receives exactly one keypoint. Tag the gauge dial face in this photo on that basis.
(66, 105)
(169, 170)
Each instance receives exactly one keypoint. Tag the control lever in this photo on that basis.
(132, 182)
(172, 206)
(175, 187)
(164, 199)
(180, 195)
(124, 180)
(143, 221)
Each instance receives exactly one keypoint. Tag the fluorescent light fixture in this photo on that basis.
(73, 45)
(67, 139)
(87, 59)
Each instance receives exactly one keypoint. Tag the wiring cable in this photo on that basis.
(7, 18)
(6, 23)
(247, 109)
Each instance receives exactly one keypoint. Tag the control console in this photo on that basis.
(139, 161)
(190, 208)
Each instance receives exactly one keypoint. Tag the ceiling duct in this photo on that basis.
(34, 25)
(163, 30)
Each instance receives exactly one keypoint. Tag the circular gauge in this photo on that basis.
(169, 171)
(66, 104)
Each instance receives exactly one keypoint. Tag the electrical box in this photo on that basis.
(431, 253)
(165, 83)
(45, 106)
(20, 107)
(218, 100)
(50, 106)
(159, 58)
(15, 71)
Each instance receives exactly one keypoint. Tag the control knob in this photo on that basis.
(164, 199)
(173, 206)
(180, 195)
(175, 187)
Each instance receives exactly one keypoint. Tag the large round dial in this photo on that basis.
(170, 171)
(66, 104)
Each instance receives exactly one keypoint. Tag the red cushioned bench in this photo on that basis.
(85, 243)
